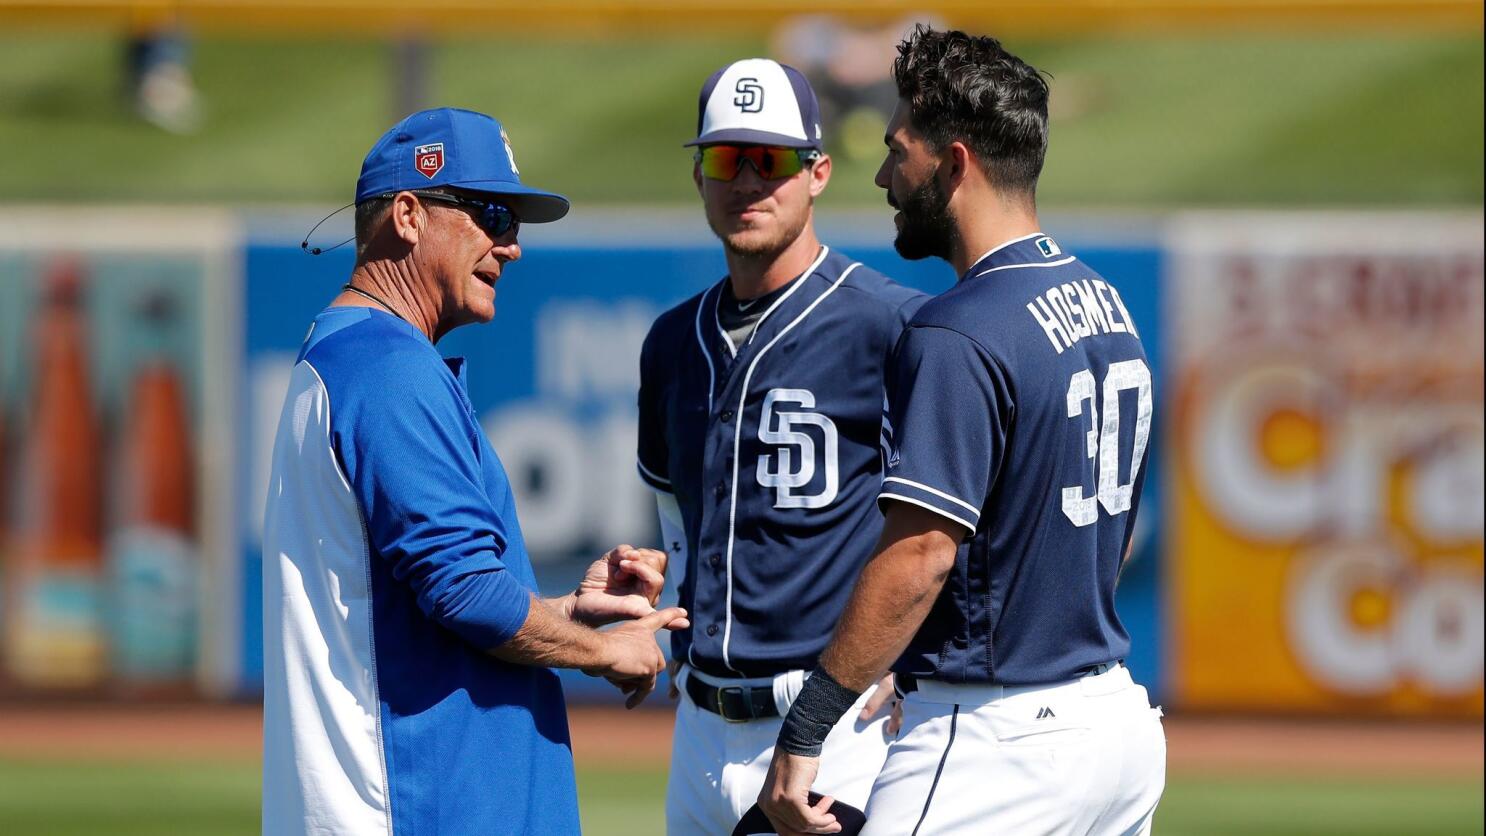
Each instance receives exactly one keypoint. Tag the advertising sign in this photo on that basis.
(1324, 531)
(114, 504)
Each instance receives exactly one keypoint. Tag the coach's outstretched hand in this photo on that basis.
(632, 659)
(623, 584)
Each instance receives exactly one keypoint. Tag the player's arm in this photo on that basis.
(893, 595)
(949, 403)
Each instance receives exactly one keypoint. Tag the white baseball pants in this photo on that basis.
(1080, 757)
(718, 768)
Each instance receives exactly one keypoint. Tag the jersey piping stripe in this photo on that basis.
(702, 344)
(935, 491)
(1059, 263)
(727, 630)
(999, 247)
(922, 504)
(726, 340)
(821, 256)
(954, 721)
(650, 476)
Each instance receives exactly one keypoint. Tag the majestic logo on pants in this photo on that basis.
(750, 98)
(795, 460)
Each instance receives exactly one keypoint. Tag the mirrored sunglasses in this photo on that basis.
(723, 162)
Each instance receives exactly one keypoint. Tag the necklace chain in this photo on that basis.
(359, 292)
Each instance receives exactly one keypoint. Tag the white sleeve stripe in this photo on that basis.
(645, 471)
(936, 509)
(936, 492)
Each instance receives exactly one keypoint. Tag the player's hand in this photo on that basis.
(625, 583)
(785, 798)
(884, 695)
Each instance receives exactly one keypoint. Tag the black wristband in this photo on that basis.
(820, 705)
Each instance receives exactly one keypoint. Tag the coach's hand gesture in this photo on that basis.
(632, 659)
(623, 584)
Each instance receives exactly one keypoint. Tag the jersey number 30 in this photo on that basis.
(1102, 441)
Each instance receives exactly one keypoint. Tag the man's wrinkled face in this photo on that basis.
(909, 173)
(465, 262)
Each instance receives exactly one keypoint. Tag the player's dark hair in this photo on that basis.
(368, 212)
(968, 88)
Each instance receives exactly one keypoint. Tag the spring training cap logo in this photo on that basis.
(429, 159)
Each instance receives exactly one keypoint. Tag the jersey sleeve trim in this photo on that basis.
(653, 479)
(1069, 260)
(934, 491)
(935, 508)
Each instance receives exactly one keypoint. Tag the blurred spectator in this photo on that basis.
(159, 79)
(850, 67)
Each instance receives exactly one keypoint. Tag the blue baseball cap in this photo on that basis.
(451, 147)
(758, 102)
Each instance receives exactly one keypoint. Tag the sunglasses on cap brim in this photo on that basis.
(723, 162)
(493, 217)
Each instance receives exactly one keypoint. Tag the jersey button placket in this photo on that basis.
(711, 629)
(715, 561)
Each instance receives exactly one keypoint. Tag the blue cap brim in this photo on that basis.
(743, 136)
(532, 206)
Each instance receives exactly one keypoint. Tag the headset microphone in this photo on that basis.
(304, 245)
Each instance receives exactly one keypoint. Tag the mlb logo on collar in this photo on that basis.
(1049, 247)
(429, 159)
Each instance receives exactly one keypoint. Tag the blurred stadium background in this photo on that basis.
(1290, 195)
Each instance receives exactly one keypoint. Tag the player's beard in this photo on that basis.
(928, 225)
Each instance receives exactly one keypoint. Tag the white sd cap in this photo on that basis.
(758, 101)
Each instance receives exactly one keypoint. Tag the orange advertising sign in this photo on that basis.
(1325, 516)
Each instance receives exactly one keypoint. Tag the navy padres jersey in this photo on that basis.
(1021, 406)
(773, 450)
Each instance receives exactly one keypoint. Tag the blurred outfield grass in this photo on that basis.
(1141, 122)
(71, 798)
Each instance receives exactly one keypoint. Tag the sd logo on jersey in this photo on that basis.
(793, 464)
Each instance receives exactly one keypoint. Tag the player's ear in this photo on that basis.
(696, 176)
(407, 217)
(820, 175)
(958, 159)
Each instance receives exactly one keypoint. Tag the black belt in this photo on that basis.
(907, 683)
(734, 703)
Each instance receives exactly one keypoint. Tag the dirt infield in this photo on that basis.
(608, 736)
